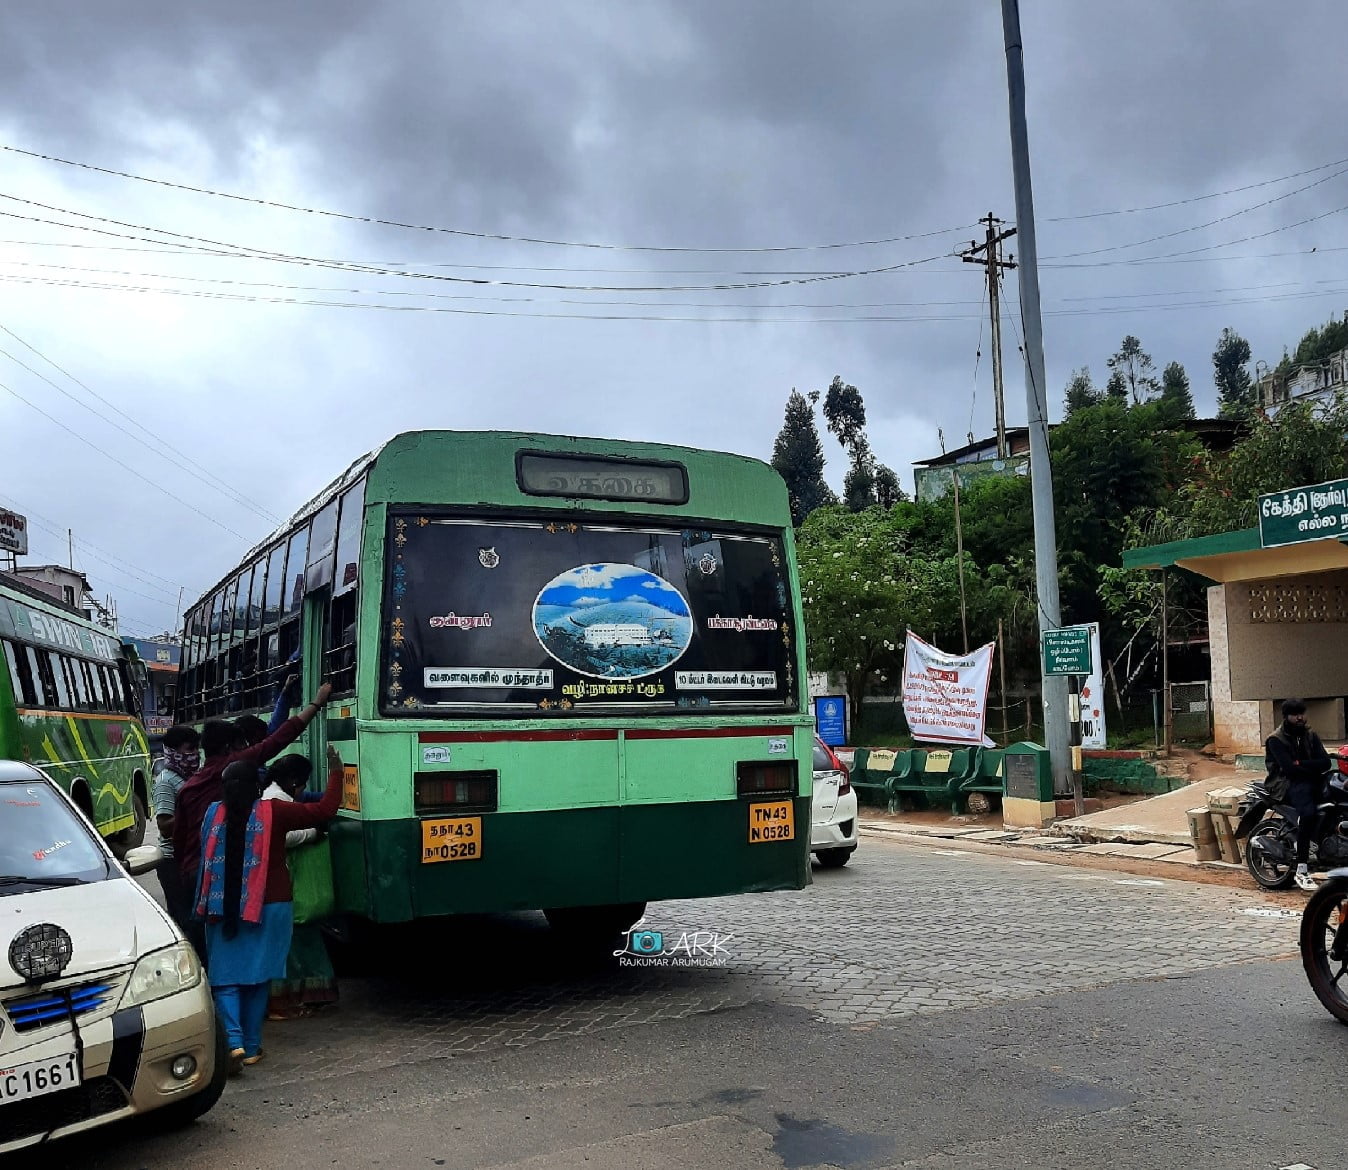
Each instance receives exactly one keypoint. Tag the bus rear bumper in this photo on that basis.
(569, 857)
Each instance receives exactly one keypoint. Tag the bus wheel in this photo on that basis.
(594, 929)
(133, 837)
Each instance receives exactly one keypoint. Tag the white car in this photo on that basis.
(104, 1010)
(833, 812)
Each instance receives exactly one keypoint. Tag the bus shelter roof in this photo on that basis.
(1237, 556)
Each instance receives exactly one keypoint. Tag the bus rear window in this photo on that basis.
(554, 617)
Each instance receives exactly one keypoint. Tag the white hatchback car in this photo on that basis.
(833, 814)
(104, 1009)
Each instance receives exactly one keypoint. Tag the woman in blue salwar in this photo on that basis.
(244, 897)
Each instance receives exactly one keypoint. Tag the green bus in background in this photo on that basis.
(68, 706)
(568, 674)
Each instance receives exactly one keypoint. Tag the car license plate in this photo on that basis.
(772, 821)
(42, 1076)
(456, 839)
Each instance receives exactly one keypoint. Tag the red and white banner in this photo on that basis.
(945, 696)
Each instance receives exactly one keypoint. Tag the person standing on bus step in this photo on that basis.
(1294, 753)
(310, 981)
(220, 748)
(182, 758)
(244, 897)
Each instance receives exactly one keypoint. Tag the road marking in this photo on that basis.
(1138, 882)
(1269, 912)
(1029, 862)
(951, 852)
(1297, 1166)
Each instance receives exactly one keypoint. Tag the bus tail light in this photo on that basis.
(754, 778)
(456, 792)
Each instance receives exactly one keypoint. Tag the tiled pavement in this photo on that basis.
(904, 929)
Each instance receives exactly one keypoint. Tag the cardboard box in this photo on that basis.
(1225, 800)
(1203, 835)
(1227, 845)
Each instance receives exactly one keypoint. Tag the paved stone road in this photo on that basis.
(902, 931)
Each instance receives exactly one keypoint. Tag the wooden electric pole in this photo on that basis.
(989, 254)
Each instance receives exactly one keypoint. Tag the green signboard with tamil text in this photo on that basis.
(1067, 650)
(1317, 512)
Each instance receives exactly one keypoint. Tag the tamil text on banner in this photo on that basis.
(945, 696)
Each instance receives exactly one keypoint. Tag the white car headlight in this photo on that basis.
(162, 973)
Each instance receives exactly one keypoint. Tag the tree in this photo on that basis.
(1136, 369)
(798, 456)
(1081, 392)
(1304, 444)
(1116, 389)
(867, 482)
(844, 412)
(863, 584)
(1108, 462)
(1176, 400)
(1235, 392)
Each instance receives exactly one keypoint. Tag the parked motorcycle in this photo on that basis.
(1324, 943)
(1271, 824)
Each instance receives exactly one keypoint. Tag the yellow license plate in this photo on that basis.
(772, 821)
(459, 839)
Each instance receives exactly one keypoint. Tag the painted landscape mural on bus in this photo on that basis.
(612, 620)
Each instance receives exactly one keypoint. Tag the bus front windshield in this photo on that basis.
(555, 617)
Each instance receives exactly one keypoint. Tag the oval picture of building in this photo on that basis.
(612, 621)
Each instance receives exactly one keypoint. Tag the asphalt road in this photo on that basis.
(921, 1008)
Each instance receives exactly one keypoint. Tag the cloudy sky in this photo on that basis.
(190, 371)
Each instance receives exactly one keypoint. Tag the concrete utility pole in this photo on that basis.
(1041, 474)
(992, 258)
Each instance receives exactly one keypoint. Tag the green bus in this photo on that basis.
(568, 673)
(68, 706)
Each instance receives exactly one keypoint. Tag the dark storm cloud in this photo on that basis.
(749, 123)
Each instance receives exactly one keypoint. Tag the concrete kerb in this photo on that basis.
(1179, 861)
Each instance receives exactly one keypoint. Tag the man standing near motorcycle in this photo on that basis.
(1295, 757)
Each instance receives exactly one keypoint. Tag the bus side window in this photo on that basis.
(340, 663)
(97, 687)
(70, 667)
(126, 694)
(21, 675)
(115, 689)
(41, 668)
(92, 702)
(56, 672)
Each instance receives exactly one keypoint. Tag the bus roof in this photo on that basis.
(393, 474)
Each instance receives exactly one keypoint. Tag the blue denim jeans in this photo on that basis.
(242, 1007)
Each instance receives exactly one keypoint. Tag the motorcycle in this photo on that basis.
(1324, 942)
(1271, 824)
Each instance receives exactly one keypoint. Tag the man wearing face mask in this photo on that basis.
(1295, 755)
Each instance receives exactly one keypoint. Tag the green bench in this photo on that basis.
(987, 776)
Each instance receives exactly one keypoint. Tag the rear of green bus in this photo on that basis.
(580, 681)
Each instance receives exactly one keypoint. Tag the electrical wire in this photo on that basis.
(347, 266)
(1201, 226)
(168, 453)
(1196, 198)
(462, 232)
(113, 458)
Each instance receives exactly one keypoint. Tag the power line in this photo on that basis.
(348, 266)
(113, 458)
(758, 319)
(58, 530)
(1197, 198)
(183, 462)
(1201, 226)
(462, 232)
